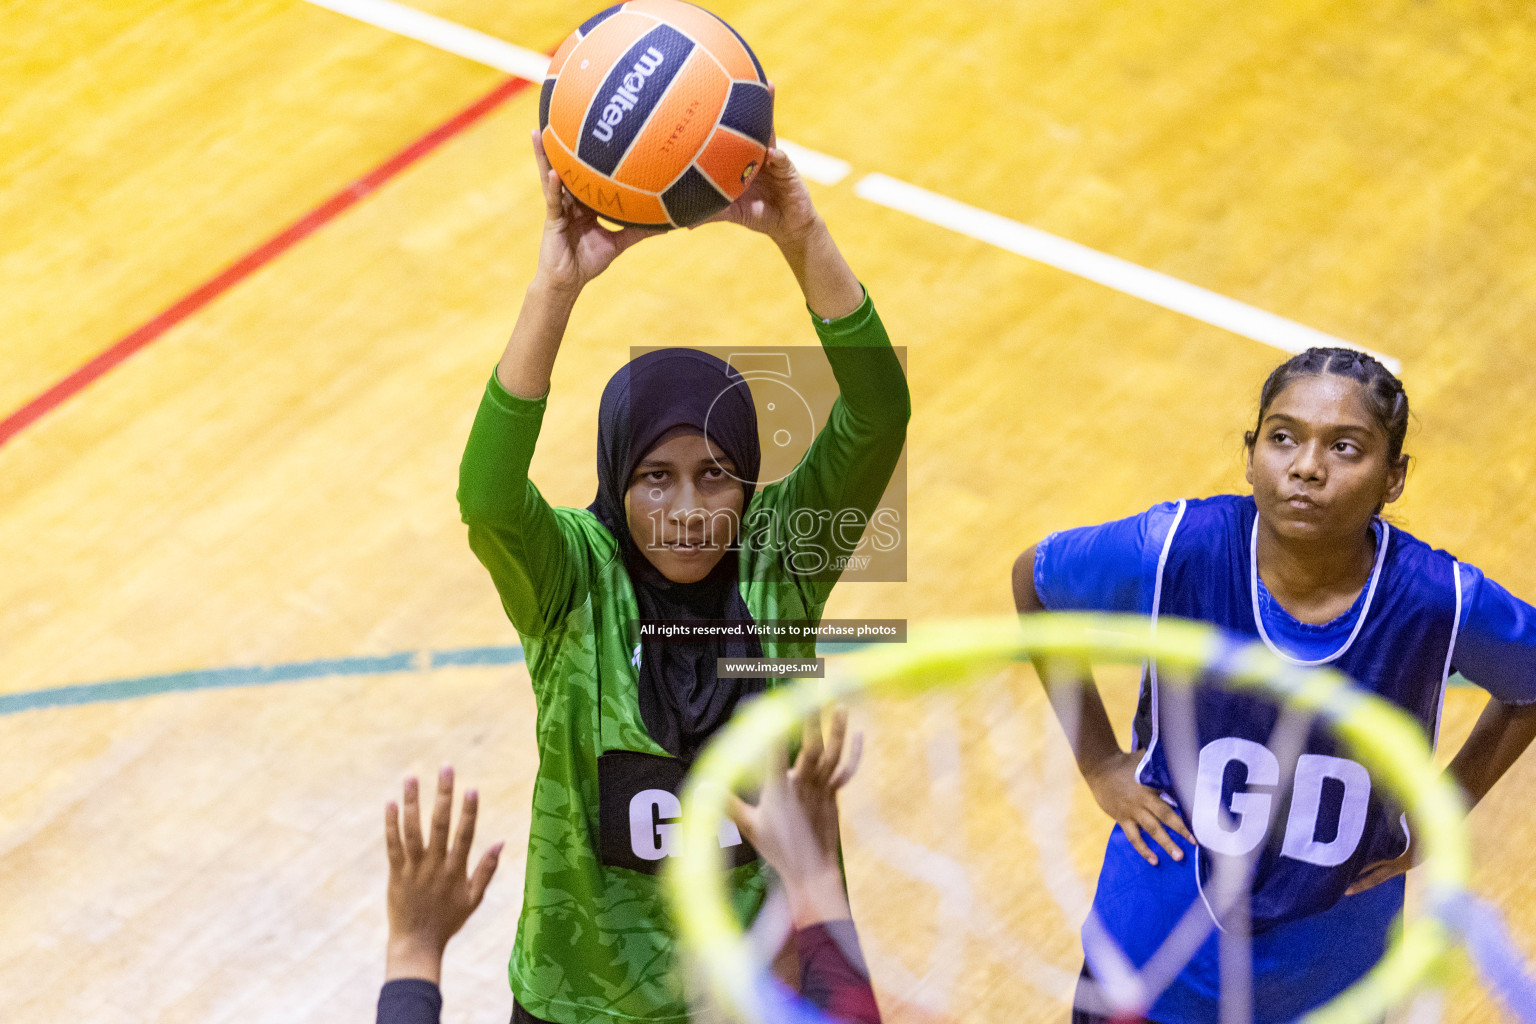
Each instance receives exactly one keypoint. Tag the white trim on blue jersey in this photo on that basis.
(1365, 609)
(1157, 600)
(1434, 736)
(1445, 678)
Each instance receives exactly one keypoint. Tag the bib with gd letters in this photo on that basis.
(639, 812)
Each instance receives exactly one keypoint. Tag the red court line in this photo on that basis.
(254, 260)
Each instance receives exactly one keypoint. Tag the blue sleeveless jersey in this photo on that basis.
(1309, 825)
(1313, 826)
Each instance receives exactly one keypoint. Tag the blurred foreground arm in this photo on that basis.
(794, 826)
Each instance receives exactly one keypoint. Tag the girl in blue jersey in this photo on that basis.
(1307, 565)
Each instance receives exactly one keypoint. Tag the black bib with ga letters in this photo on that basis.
(639, 813)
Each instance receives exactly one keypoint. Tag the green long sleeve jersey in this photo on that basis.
(594, 941)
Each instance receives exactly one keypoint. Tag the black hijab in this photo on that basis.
(682, 701)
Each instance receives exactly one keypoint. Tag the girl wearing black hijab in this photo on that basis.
(678, 531)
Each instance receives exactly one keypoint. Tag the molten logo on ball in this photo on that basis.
(655, 113)
(628, 93)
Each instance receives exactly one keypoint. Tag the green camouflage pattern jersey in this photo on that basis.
(595, 942)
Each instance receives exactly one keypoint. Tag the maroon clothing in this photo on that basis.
(832, 972)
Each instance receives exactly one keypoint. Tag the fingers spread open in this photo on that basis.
(1170, 818)
(850, 762)
(777, 762)
(554, 196)
(1133, 833)
(743, 814)
(411, 810)
(775, 769)
(442, 812)
(484, 871)
(833, 751)
(549, 180)
(773, 132)
(392, 837)
(809, 760)
(466, 834)
(1154, 828)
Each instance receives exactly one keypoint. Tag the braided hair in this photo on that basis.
(1383, 393)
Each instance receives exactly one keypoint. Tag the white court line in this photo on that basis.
(483, 49)
(1032, 243)
(1110, 271)
(443, 34)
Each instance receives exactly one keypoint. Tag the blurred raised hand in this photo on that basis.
(794, 823)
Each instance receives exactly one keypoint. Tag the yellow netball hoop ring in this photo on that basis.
(1383, 738)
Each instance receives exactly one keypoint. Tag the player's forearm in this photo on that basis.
(512, 530)
(1082, 715)
(849, 465)
(830, 287)
(817, 898)
(1025, 598)
(874, 404)
(530, 355)
(411, 956)
(1501, 734)
(1072, 692)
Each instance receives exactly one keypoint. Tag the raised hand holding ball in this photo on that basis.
(656, 114)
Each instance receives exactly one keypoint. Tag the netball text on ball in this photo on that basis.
(628, 94)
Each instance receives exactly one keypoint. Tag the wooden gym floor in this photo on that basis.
(265, 493)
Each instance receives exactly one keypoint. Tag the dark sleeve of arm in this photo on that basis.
(849, 463)
(1496, 648)
(512, 529)
(832, 972)
(410, 1001)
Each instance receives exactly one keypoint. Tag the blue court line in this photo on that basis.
(256, 675)
(298, 671)
(478, 656)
